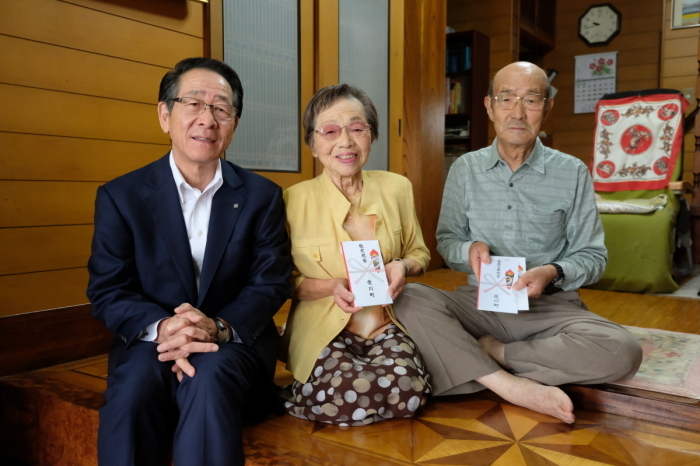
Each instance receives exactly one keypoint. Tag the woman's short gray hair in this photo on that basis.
(329, 95)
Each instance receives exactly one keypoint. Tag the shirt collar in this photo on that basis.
(535, 160)
(183, 186)
(368, 202)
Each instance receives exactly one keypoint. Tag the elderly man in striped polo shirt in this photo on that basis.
(519, 198)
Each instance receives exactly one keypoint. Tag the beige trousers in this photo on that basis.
(557, 341)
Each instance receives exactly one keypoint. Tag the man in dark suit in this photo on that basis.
(189, 263)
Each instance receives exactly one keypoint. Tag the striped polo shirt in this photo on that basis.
(545, 211)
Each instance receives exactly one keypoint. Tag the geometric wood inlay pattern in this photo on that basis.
(477, 429)
(466, 430)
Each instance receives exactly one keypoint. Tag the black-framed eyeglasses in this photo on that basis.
(193, 106)
(507, 101)
(332, 132)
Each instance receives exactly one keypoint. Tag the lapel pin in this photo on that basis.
(235, 206)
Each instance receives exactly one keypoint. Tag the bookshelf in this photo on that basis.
(466, 84)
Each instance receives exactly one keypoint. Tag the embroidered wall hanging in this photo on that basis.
(638, 138)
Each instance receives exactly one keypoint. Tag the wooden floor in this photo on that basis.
(477, 429)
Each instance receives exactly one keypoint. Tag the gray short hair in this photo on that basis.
(329, 95)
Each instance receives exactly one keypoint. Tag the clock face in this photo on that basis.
(599, 24)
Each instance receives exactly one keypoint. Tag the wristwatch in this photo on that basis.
(224, 335)
(557, 281)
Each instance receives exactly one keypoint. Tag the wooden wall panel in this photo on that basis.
(678, 66)
(491, 17)
(638, 46)
(76, 71)
(25, 250)
(37, 111)
(40, 157)
(73, 26)
(680, 47)
(40, 203)
(81, 79)
(67, 334)
(640, 21)
(30, 292)
(622, 43)
(679, 70)
(182, 16)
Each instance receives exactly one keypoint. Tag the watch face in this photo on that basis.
(599, 24)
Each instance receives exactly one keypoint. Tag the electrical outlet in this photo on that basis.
(689, 94)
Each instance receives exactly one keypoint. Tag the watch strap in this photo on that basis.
(223, 335)
(559, 279)
(402, 261)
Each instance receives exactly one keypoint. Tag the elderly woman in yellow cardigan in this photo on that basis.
(351, 365)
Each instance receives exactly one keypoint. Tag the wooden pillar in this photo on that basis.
(695, 202)
(424, 111)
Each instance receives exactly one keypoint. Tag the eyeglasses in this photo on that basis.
(332, 132)
(530, 102)
(194, 106)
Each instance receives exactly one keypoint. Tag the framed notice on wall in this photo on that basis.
(596, 75)
(685, 14)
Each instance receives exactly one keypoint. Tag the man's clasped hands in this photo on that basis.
(188, 331)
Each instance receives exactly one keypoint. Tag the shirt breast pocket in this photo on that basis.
(546, 229)
(310, 256)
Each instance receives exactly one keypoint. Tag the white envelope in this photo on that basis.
(495, 291)
(366, 272)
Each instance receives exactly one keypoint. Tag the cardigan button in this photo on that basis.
(363, 210)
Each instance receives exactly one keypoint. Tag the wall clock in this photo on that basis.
(599, 24)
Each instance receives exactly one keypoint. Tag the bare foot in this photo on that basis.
(529, 394)
(495, 349)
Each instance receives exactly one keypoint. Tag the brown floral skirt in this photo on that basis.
(357, 381)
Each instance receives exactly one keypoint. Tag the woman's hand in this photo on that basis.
(396, 272)
(342, 296)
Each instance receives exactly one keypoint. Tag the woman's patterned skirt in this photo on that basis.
(357, 381)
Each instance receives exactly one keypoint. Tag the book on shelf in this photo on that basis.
(457, 60)
(457, 95)
(447, 95)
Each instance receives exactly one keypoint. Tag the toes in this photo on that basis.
(566, 415)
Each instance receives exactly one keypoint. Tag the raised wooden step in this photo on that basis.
(50, 417)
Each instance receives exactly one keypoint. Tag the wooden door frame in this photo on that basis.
(424, 112)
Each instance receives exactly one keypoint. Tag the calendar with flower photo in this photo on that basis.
(596, 75)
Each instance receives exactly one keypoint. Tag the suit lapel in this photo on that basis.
(164, 206)
(226, 207)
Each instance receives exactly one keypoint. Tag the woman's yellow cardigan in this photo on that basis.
(316, 210)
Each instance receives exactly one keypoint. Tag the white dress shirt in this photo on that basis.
(196, 210)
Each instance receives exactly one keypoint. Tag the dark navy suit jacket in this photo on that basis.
(141, 265)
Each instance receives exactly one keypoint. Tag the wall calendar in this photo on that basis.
(596, 75)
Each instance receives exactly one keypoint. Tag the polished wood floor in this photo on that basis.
(472, 430)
